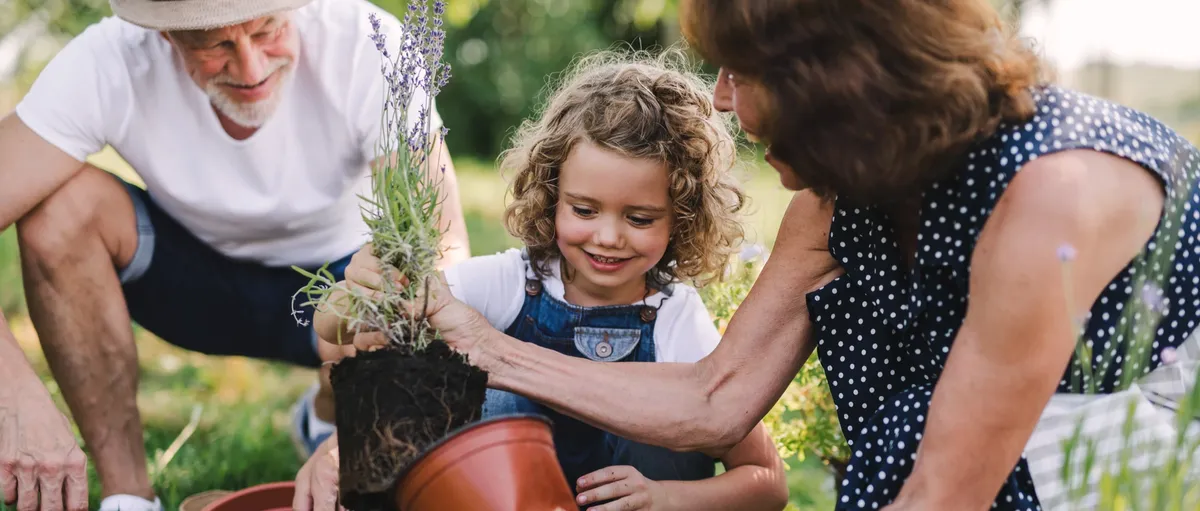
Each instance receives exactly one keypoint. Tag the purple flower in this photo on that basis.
(417, 69)
(751, 252)
(1169, 355)
(1152, 296)
(1066, 252)
(379, 39)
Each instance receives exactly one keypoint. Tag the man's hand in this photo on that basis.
(317, 481)
(39, 456)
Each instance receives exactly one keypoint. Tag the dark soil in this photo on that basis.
(391, 405)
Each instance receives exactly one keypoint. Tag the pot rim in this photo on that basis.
(455, 433)
(249, 490)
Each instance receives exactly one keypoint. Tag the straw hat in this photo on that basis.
(197, 14)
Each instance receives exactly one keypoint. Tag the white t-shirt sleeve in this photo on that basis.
(81, 101)
(369, 85)
(684, 331)
(493, 284)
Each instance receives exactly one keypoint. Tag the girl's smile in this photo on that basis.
(613, 223)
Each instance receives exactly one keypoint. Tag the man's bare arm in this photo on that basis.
(455, 245)
(30, 426)
(29, 171)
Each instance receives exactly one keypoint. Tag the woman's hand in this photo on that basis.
(317, 481)
(625, 487)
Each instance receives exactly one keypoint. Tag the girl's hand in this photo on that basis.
(460, 325)
(625, 487)
(317, 481)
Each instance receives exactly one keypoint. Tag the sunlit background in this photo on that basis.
(1143, 53)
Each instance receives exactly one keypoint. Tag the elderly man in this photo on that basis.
(253, 125)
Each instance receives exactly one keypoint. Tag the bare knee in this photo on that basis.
(90, 212)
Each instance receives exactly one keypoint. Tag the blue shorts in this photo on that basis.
(194, 297)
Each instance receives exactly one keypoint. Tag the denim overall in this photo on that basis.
(622, 333)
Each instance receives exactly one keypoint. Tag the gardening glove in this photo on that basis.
(40, 461)
(317, 481)
(623, 487)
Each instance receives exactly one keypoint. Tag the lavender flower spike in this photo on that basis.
(402, 213)
(1169, 355)
(1152, 296)
(1066, 252)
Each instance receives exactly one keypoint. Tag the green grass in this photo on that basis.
(242, 434)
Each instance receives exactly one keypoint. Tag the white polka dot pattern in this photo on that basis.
(883, 333)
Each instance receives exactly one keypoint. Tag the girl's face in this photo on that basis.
(613, 223)
(743, 97)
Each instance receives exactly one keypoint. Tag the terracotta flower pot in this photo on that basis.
(502, 464)
(263, 497)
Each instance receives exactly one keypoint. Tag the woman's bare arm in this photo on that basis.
(1017, 337)
(707, 406)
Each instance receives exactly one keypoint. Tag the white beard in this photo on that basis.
(253, 114)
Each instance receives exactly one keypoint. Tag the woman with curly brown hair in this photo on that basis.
(622, 192)
(963, 254)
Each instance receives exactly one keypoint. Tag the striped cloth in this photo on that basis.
(1101, 418)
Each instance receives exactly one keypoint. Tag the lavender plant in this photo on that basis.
(403, 212)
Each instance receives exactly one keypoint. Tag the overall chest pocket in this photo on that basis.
(606, 344)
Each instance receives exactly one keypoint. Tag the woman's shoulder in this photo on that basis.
(1064, 120)
(1069, 125)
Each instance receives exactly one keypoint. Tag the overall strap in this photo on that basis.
(533, 285)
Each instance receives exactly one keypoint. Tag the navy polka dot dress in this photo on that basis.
(883, 332)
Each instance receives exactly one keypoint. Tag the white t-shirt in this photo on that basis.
(286, 195)
(494, 285)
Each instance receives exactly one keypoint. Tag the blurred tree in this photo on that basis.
(503, 52)
(64, 17)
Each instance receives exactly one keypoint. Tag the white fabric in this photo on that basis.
(1153, 399)
(286, 195)
(129, 503)
(494, 285)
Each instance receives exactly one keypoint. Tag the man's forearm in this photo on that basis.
(20, 375)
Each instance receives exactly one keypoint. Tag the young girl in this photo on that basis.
(622, 190)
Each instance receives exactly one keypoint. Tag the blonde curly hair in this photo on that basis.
(639, 105)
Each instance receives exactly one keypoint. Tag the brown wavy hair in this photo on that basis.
(872, 99)
(639, 105)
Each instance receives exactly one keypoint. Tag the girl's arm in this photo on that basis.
(754, 480)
